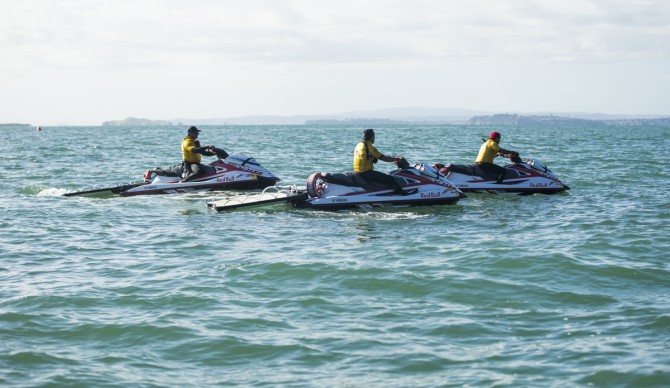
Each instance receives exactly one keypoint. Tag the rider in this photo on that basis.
(488, 151)
(366, 155)
(192, 151)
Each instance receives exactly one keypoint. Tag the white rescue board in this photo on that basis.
(270, 195)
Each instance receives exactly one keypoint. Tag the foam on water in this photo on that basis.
(53, 192)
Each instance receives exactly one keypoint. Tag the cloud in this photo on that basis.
(98, 60)
(135, 33)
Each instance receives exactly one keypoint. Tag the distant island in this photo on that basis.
(372, 121)
(551, 120)
(367, 122)
(13, 125)
(415, 116)
(132, 121)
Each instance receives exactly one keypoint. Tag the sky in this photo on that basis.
(82, 62)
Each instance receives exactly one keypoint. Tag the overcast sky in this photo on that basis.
(82, 62)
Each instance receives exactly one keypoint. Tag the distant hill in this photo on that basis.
(367, 122)
(403, 116)
(551, 120)
(132, 121)
(13, 125)
(413, 116)
(247, 120)
(591, 116)
(520, 120)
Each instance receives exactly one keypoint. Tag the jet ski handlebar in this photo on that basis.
(401, 163)
(213, 150)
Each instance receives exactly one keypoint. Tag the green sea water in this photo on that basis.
(570, 289)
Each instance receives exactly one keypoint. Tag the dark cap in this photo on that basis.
(494, 134)
(368, 134)
(193, 129)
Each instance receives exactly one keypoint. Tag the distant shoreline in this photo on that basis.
(549, 120)
(488, 120)
(7, 125)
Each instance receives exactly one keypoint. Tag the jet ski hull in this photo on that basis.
(368, 202)
(248, 182)
(104, 191)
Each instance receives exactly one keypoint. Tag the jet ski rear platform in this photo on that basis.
(271, 195)
(104, 191)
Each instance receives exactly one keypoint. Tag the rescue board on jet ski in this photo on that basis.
(104, 191)
(267, 197)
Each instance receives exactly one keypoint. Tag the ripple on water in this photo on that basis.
(496, 290)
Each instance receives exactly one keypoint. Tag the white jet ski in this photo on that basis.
(235, 172)
(422, 185)
(523, 177)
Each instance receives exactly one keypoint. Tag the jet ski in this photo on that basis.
(422, 185)
(523, 177)
(234, 172)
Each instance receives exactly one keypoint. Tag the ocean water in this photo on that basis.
(570, 289)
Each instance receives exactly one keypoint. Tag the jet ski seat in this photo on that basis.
(475, 170)
(177, 169)
(172, 171)
(352, 180)
(462, 169)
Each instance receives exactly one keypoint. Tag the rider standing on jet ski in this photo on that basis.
(488, 151)
(192, 151)
(366, 155)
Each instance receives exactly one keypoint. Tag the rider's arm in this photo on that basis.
(385, 158)
(504, 152)
(199, 150)
(208, 150)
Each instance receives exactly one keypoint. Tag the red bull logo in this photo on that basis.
(430, 194)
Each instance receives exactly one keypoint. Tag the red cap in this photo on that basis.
(493, 135)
